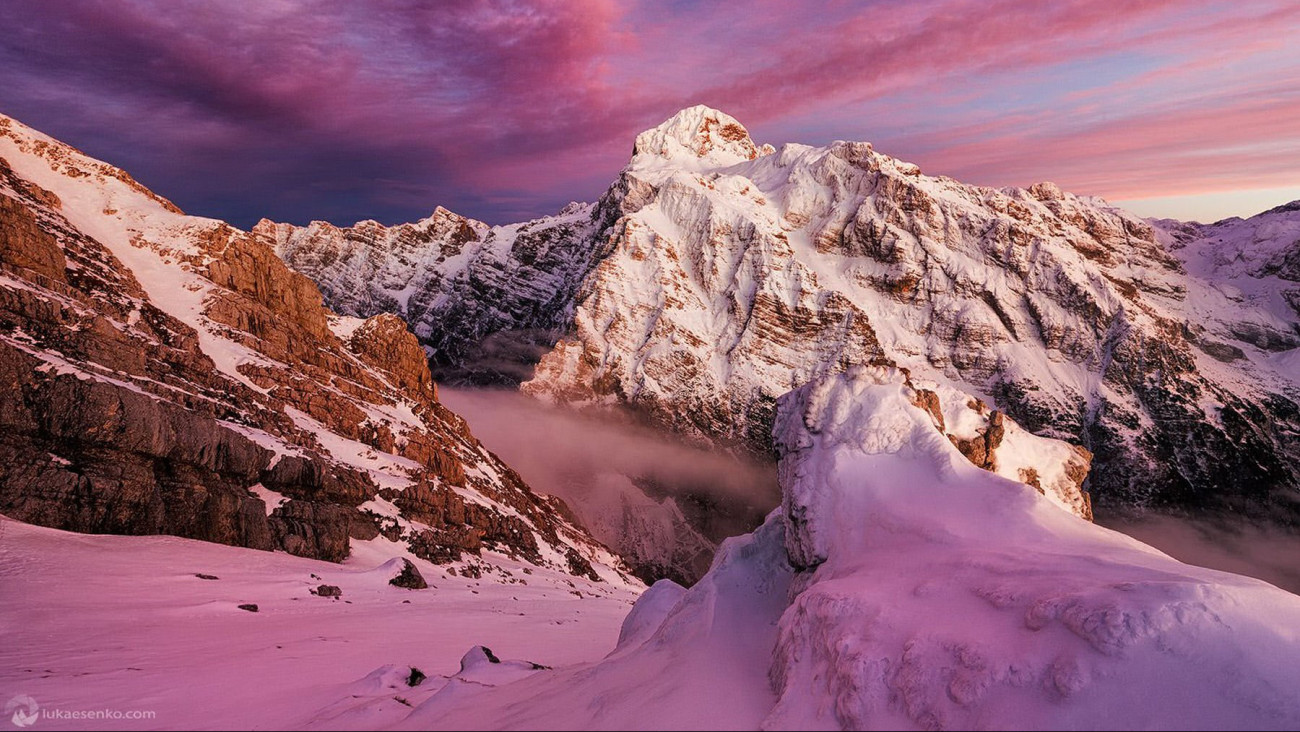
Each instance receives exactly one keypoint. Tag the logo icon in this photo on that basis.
(24, 709)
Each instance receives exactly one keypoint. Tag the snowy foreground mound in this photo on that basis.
(899, 586)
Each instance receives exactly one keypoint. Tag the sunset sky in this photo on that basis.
(507, 110)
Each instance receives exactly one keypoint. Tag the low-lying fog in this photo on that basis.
(618, 476)
(1232, 545)
(597, 464)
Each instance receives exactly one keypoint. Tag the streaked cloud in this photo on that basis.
(503, 110)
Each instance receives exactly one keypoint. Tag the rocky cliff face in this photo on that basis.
(730, 282)
(717, 274)
(170, 374)
(485, 301)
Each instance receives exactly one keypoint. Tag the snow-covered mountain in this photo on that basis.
(486, 301)
(911, 348)
(716, 275)
(169, 374)
(732, 280)
(1255, 264)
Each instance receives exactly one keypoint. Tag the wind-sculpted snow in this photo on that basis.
(917, 616)
(925, 594)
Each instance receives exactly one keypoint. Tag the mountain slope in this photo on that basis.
(171, 375)
(731, 281)
(486, 301)
(716, 274)
(126, 617)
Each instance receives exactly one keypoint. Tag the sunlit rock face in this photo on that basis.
(717, 274)
(485, 301)
(170, 374)
(730, 281)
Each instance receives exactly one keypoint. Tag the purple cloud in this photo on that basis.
(504, 110)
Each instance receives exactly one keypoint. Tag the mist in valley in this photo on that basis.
(1229, 544)
(657, 500)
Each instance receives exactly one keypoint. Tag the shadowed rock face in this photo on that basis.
(166, 374)
(487, 302)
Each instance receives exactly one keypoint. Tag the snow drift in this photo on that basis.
(943, 596)
(899, 586)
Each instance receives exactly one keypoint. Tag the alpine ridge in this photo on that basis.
(716, 275)
(485, 301)
(169, 374)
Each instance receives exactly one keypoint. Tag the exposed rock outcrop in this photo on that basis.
(716, 274)
(170, 374)
(726, 285)
(409, 578)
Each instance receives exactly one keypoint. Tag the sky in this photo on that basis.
(506, 110)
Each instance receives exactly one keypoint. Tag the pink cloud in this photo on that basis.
(505, 109)
(1240, 139)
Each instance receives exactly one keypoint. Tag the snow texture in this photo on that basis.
(733, 278)
(931, 595)
(124, 623)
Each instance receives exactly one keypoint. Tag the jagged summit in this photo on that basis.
(699, 133)
(711, 278)
(908, 346)
(1285, 208)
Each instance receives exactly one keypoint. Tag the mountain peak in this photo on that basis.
(699, 133)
